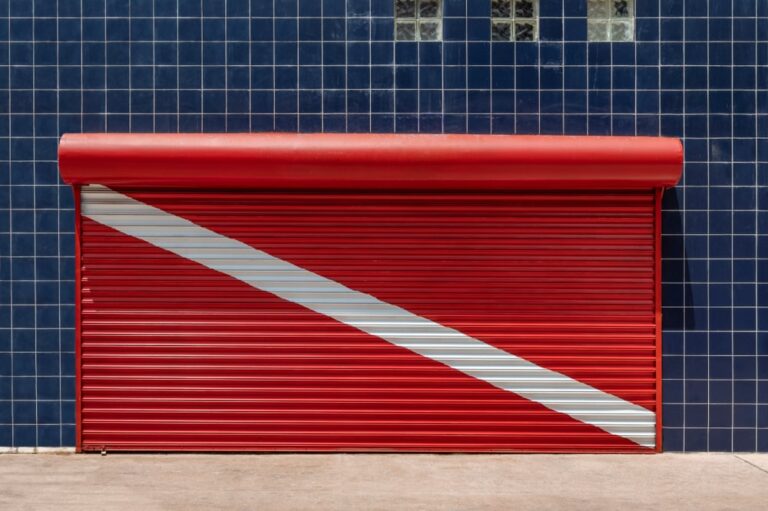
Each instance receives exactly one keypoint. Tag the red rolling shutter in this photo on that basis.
(406, 293)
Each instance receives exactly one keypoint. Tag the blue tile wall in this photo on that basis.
(698, 70)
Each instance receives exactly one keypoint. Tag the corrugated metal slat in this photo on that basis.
(176, 356)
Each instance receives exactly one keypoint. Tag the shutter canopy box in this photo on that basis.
(370, 161)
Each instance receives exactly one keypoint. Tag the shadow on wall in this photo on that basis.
(677, 292)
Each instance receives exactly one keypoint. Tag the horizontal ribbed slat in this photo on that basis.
(177, 356)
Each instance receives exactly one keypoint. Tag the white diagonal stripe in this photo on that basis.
(367, 313)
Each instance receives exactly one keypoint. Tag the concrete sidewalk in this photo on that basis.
(387, 482)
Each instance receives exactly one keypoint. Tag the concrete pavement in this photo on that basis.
(383, 482)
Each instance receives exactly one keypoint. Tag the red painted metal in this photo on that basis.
(78, 321)
(178, 357)
(336, 162)
(546, 247)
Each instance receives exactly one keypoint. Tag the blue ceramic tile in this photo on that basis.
(684, 77)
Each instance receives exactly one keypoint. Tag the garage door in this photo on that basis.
(368, 293)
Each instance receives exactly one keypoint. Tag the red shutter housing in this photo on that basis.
(284, 292)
